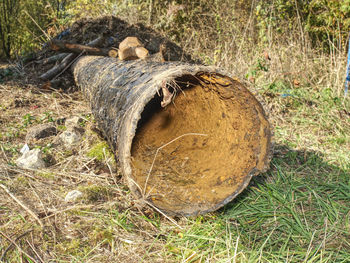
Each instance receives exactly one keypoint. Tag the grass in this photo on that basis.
(298, 211)
(290, 214)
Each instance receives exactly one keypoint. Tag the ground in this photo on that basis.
(298, 211)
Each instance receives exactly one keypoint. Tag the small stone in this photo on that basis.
(41, 131)
(73, 122)
(31, 160)
(70, 137)
(73, 195)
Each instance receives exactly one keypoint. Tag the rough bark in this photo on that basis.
(191, 157)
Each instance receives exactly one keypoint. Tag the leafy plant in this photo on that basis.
(48, 116)
(27, 120)
(326, 22)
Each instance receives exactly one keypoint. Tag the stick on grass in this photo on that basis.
(18, 247)
(22, 205)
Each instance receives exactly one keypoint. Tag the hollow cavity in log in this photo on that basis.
(196, 173)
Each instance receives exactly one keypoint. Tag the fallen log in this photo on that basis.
(192, 156)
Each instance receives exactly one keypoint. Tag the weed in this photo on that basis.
(100, 151)
(95, 193)
(123, 221)
(27, 120)
(46, 175)
(47, 116)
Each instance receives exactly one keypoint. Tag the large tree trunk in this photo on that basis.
(190, 157)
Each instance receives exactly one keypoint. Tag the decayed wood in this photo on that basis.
(67, 60)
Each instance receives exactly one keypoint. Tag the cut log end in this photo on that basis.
(113, 53)
(131, 48)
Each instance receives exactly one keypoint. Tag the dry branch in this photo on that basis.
(67, 60)
(17, 246)
(58, 68)
(63, 46)
(52, 59)
(13, 243)
(22, 205)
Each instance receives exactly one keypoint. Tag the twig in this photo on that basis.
(161, 147)
(36, 253)
(42, 204)
(48, 37)
(3, 151)
(22, 205)
(13, 243)
(150, 12)
(67, 209)
(18, 247)
(167, 217)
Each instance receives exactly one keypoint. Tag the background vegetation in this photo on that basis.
(292, 52)
(25, 25)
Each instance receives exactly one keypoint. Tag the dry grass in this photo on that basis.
(105, 224)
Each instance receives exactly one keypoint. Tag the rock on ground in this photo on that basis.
(73, 195)
(70, 137)
(31, 160)
(41, 131)
(73, 121)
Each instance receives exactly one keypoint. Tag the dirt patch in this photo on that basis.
(196, 173)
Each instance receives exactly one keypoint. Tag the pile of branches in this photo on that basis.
(104, 36)
(68, 53)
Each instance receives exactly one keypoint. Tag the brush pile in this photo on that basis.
(102, 35)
